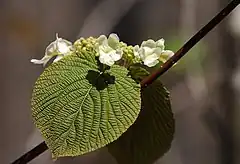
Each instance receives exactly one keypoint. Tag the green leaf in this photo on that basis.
(138, 73)
(76, 117)
(151, 135)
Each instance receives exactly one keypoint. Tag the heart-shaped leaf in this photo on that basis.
(78, 109)
(152, 133)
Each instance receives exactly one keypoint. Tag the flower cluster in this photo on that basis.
(110, 50)
(149, 53)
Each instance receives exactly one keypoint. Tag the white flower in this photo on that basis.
(108, 49)
(60, 48)
(151, 52)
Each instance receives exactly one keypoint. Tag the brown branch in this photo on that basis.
(39, 149)
(192, 42)
(145, 82)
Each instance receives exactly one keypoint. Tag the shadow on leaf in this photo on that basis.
(100, 80)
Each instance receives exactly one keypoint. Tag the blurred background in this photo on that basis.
(204, 85)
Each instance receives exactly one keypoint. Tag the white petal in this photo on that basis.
(63, 46)
(57, 58)
(117, 55)
(109, 62)
(158, 51)
(152, 57)
(160, 43)
(151, 63)
(136, 51)
(113, 41)
(59, 46)
(142, 53)
(167, 54)
(105, 58)
(102, 40)
(113, 37)
(149, 43)
(35, 61)
(136, 48)
(51, 48)
(43, 61)
(148, 51)
(151, 60)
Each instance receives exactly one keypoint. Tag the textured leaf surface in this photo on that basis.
(151, 135)
(73, 116)
(138, 73)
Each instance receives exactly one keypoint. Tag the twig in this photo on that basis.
(180, 53)
(192, 42)
(39, 149)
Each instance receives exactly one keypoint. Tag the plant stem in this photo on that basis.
(145, 82)
(39, 149)
(192, 42)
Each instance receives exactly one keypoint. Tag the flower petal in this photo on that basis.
(60, 47)
(158, 51)
(102, 40)
(167, 54)
(136, 51)
(160, 43)
(151, 61)
(105, 58)
(35, 61)
(149, 43)
(108, 49)
(142, 53)
(51, 49)
(58, 58)
(148, 51)
(136, 48)
(116, 55)
(113, 41)
(151, 52)
(43, 61)
(63, 46)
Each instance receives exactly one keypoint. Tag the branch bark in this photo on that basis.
(192, 42)
(39, 149)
